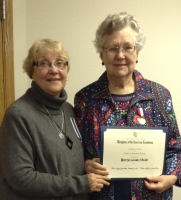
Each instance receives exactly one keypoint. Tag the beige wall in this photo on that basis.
(74, 22)
(20, 45)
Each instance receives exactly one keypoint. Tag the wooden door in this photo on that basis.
(6, 57)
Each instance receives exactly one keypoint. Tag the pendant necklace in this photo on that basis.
(62, 135)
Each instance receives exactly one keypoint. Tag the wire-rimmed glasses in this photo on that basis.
(60, 64)
(113, 51)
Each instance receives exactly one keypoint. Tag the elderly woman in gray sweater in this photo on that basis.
(41, 155)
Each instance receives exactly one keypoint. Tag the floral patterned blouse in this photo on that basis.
(95, 107)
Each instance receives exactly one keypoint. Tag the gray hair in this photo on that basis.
(117, 22)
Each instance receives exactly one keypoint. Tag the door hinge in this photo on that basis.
(3, 9)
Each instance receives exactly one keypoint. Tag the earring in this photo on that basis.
(102, 63)
(137, 61)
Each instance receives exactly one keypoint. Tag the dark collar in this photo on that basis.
(40, 97)
(142, 92)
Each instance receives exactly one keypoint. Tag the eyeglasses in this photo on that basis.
(61, 64)
(113, 51)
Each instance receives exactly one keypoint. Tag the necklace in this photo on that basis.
(120, 110)
(68, 141)
(121, 102)
(61, 135)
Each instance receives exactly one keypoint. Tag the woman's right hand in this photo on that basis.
(97, 182)
(97, 174)
(94, 166)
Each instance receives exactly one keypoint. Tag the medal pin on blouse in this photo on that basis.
(141, 120)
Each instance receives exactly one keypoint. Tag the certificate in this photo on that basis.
(132, 152)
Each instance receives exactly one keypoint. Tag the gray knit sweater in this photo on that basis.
(35, 163)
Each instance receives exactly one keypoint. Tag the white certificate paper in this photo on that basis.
(133, 153)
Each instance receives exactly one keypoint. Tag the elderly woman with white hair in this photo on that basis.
(116, 99)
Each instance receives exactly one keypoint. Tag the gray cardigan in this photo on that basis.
(35, 162)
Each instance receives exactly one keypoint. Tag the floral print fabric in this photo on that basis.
(95, 107)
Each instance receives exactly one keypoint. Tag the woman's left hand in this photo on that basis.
(160, 183)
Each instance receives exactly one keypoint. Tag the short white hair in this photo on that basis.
(117, 22)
